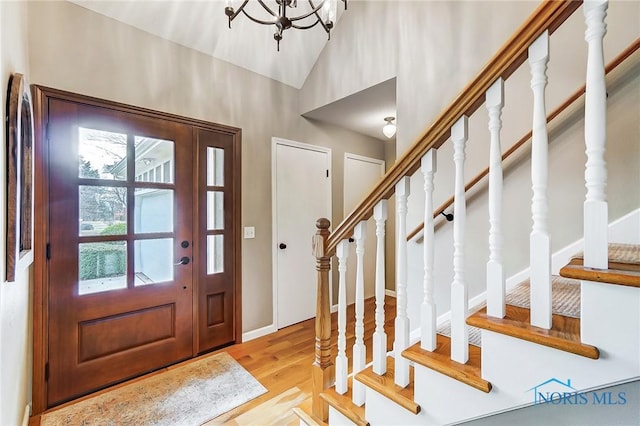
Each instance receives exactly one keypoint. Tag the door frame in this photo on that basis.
(275, 141)
(41, 96)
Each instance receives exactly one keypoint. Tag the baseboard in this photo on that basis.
(27, 414)
(334, 308)
(389, 293)
(259, 332)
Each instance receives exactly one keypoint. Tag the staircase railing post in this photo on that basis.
(323, 369)
(596, 214)
(540, 241)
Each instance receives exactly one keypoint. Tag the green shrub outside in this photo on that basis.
(101, 260)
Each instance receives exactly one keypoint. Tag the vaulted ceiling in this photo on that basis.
(203, 26)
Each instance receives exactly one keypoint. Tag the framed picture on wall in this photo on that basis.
(19, 156)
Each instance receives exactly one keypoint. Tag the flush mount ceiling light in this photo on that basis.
(389, 129)
(321, 12)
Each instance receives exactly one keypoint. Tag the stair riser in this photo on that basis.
(336, 418)
(502, 365)
(611, 322)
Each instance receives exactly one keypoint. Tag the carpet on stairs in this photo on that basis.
(566, 301)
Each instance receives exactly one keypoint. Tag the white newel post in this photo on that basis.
(379, 336)
(540, 242)
(459, 303)
(402, 320)
(495, 273)
(359, 349)
(596, 215)
(428, 309)
(342, 252)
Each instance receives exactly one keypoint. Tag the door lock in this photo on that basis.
(183, 261)
(282, 246)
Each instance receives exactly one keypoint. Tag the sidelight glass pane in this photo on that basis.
(215, 166)
(102, 267)
(215, 254)
(103, 210)
(102, 155)
(153, 261)
(153, 210)
(150, 154)
(215, 210)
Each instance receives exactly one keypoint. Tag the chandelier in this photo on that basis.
(321, 12)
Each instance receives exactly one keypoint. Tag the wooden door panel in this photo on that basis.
(112, 334)
(216, 289)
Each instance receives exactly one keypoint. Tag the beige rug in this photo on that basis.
(184, 396)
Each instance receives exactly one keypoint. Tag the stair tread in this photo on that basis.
(563, 335)
(621, 256)
(616, 274)
(344, 404)
(304, 413)
(440, 361)
(385, 385)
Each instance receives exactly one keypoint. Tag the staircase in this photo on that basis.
(532, 353)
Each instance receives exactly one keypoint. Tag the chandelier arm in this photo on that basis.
(258, 21)
(314, 11)
(306, 27)
(271, 12)
(237, 12)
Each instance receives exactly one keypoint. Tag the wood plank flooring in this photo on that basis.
(282, 363)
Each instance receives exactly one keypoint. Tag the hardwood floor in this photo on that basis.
(281, 361)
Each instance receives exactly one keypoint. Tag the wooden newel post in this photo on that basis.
(323, 369)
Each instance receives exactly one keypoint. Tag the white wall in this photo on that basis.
(15, 297)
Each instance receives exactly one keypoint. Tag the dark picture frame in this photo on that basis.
(19, 136)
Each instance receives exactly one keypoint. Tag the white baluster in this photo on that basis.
(342, 252)
(359, 349)
(540, 242)
(402, 320)
(596, 215)
(379, 336)
(428, 309)
(495, 274)
(459, 303)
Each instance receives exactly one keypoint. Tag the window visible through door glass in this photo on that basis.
(150, 154)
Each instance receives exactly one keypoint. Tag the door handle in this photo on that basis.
(282, 246)
(183, 261)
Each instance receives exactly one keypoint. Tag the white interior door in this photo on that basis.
(302, 195)
(360, 175)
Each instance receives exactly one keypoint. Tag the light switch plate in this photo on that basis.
(249, 232)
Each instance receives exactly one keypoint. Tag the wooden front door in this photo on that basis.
(138, 276)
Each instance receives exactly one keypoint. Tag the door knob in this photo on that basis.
(282, 246)
(183, 261)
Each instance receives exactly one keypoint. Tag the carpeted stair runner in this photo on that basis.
(566, 301)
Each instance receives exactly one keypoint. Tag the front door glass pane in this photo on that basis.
(102, 154)
(153, 210)
(103, 210)
(153, 261)
(102, 266)
(151, 153)
(215, 210)
(215, 166)
(215, 254)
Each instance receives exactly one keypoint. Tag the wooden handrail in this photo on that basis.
(548, 16)
(633, 47)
